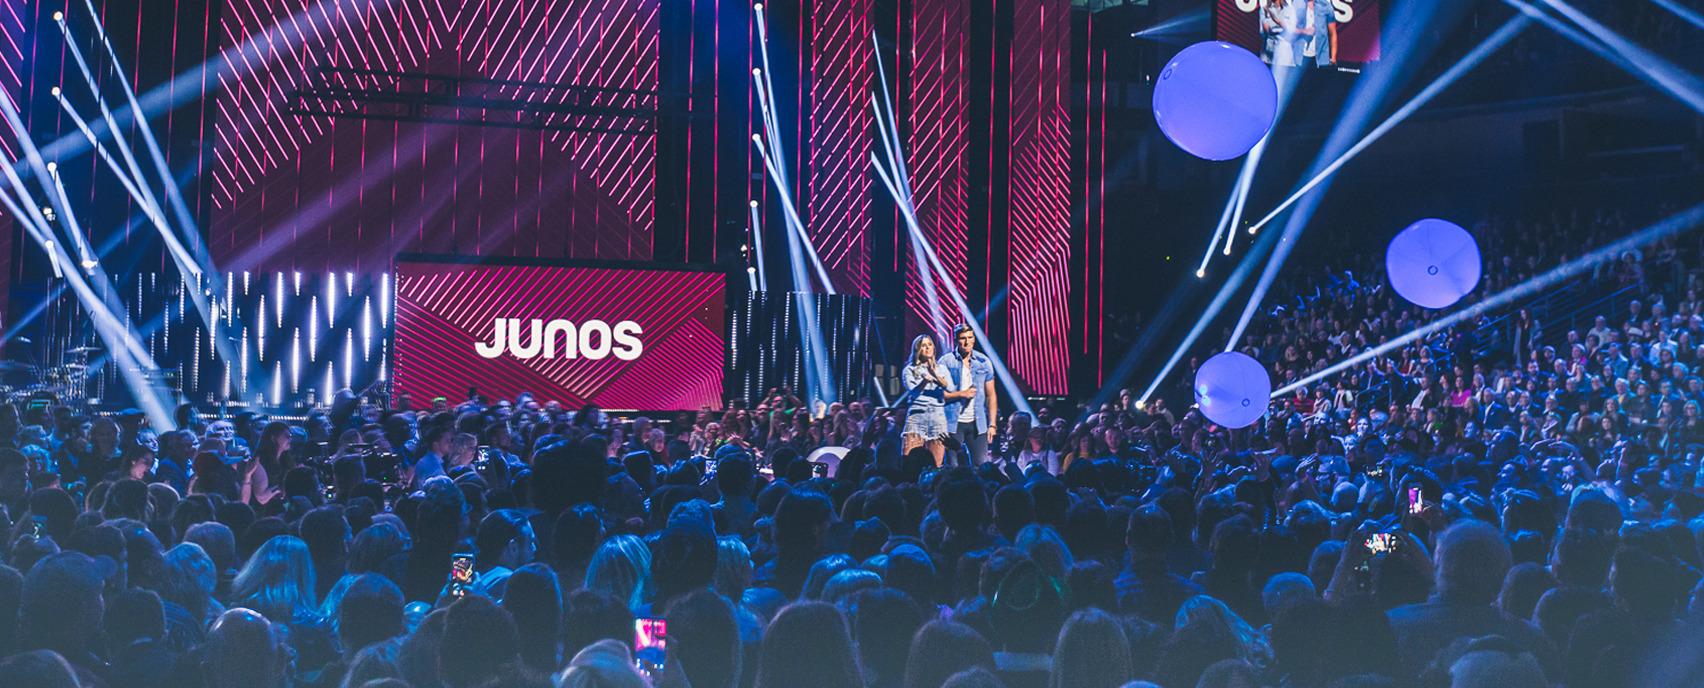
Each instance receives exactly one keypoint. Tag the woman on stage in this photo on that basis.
(926, 385)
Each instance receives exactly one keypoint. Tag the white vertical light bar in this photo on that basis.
(296, 361)
(349, 359)
(384, 299)
(277, 383)
(298, 282)
(330, 298)
(313, 328)
(260, 332)
(245, 283)
(366, 329)
(278, 299)
(243, 358)
(349, 284)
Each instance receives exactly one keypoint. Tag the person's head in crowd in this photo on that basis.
(1496, 662)
(733, 568)
(683, 555)
(479, 641)
(278, 580)
(591, 616)
(1091, 652)
(1284, 591)
(134, 617)
(1229, 673)
(1472, 560)
(244, 649)
(1046, 548)
(1148, 533)
(735, 477)
(1522, 587)
(370, 612)
(1582, 557)
(62, 604)
(942, 648)
(1646, 585)
(800, 521)
(375, 665)
(808, 644)
(505, 539)
(216, 540)
(375, 545)
(39, 669)
(621, 569)
(418, 655)
(1560, 608)
(533, 598)
(11, 592)
(190, 579)
(1025, 604)
(575, 537)
(974, 677)
(1013, 509)
(604, 664)
(704, 639)
(325, 530)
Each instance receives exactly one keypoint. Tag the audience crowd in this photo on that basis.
(1501, 505)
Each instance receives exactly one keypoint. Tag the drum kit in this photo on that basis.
(67, 380)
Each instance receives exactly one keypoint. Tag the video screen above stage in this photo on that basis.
(1325, 34)
(626, 338)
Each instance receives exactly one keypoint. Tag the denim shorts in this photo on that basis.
(926, 422)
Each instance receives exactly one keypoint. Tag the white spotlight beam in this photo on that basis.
(1000, 370)
(1690, 16)
(72, 227)
(235, 62)
(790, 213)
(1685, 220)
(126, 353)
(1468, 62)
(757, 246)
(150, 203)
(1231, 216)
(16, 208)
(775, 154)
(1298, 221)
(887, 126)
(185, 220)
(1226, 291)
(1635, 59)
(105, 155)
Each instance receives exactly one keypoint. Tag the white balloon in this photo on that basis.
(1433, 263)
(1232, 390)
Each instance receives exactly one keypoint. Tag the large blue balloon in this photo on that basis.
(1215, 100)
(1433, 263)
(1232, 390)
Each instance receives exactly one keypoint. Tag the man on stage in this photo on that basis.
(972, 406)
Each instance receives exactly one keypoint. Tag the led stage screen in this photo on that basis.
(623, 338)
(1327, 34)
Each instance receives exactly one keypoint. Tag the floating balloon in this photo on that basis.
(1215, 100)
(1232, 390)
(1433, 263)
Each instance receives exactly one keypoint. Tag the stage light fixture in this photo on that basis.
(59, 16)
(52, 167)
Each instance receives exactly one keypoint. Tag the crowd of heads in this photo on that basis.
(1442, 517)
